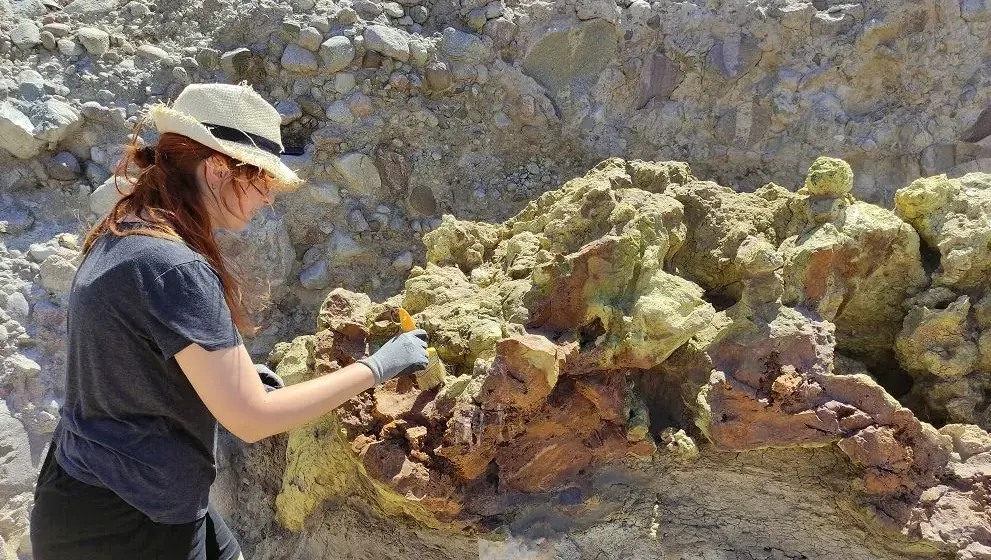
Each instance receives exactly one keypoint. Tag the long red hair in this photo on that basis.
(165, 194)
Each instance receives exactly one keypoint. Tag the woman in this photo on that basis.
(155, 358)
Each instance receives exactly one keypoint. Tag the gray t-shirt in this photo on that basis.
(131, 421)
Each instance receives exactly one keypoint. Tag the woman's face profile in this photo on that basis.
(232, 201)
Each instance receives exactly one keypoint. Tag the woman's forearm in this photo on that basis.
(298, 405)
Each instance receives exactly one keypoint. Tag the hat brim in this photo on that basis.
(167, 119)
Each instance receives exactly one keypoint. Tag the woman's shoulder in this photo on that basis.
(150, 254)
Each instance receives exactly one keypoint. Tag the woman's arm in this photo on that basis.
(229, 386)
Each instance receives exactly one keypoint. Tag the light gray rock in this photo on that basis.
(337, 54)
(387, 41)
(151, 53)
(38, 252)
(17, 473)
(359, 173)
(137, 9)
(572, 57)
(13, 219)
(25, 35)
(55, 120)
(299, 60)
(367, 8)
(95, 41)
(103, 198)
(59, 30)
(208, 58)
(31, 85)
(316, 276)
(68, 47)
(17, 306)
(289, 110)
(339, 112)
(466, 47)
(56, 274)
(91, 7)
(393, 9)
(19, 367)
(403, 263)
(310, 38)
(357, 222)
(324, 193)
(27, 9)
(48, 40)
(344, 82)
(17, 132)
(343, 248)
(975, 10)
(419, 14)
(63, 166)
(265, 256)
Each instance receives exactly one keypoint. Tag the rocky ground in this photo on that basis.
(402, 112)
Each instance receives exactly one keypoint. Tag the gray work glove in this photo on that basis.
(403, 353)
(270, 380)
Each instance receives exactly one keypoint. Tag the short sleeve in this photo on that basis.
(187, 306)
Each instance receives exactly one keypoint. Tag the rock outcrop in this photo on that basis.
(575, 345)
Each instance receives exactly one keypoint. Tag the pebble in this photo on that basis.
(59, 30)
(137, 9)
(151, 53)
(299, 60)
(316, 276)
(310, 38)
(464, 47)
(388, 41)
(419, 14)
(347, 16)
(25, 35)
(17, 306)
(32, 85)
(339, 112)
(337, 54)
(22, 367)
(357, 222)
(208, 58)
(48, 40)
(95, 41)
(181, 75)
(68, 47)
(403, 263)
(367, 8)
(360, 104)
(63, 166)
(393, 10)
(289, 110)
(344, 82)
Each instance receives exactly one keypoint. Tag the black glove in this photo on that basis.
(269, 379)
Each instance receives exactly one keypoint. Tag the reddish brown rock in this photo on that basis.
(524, 372)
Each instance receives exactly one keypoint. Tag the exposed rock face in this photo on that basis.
(571, 351)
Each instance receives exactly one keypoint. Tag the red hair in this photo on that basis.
(165, 194)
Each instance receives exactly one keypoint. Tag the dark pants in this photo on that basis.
(72, 520)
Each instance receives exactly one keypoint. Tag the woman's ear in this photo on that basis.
(215, 170)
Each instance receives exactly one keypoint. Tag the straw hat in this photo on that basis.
(231, 119)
